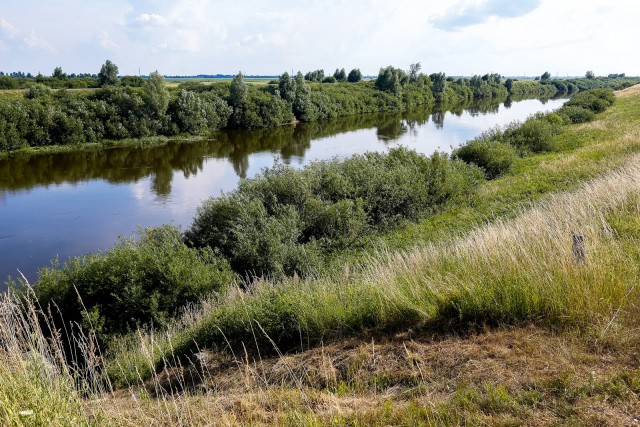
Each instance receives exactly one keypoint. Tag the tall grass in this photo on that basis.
(522, 270)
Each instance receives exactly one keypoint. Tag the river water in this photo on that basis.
(64, 205)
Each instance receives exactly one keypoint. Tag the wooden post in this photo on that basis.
(578, 249)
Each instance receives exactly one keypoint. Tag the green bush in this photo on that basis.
(596, 100)
(535, 134)
(576, 114)
(284, 220)
(136, 282)
(493, 157)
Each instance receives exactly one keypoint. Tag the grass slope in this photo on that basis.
(479, 324)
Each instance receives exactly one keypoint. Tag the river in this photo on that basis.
(62, 205)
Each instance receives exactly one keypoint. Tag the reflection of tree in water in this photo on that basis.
(391, 128)
(507, 102)
(130, 164)
(438, 119)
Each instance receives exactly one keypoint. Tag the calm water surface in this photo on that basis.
(69, 204)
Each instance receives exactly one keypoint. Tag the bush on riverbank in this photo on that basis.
(137, 282)
(284, 220)
(495, 150)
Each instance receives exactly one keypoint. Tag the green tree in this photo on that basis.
(354, 76)
(156, 99)
(340, 75)
(58, 74)
(414, 72)
(108, 75)
(302, 106)
(589, 74)
(287, 87)
(509, 84)
(439, 82)
(545, 76)
(238, 91)
(238, 100)
(389, 80)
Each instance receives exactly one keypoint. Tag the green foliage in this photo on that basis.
(493, 157)
(576, 114)
(268, 224)
(59, 74)
(535, 134)
(329, 79)
(390, 79)
(315, 76)
(198, 114)
(132, 81)
(302, 107)
(130, 110)
(8, 83)
(487, 86)
(545, 76)
(156, 99)
(108, 75)
(354, 76)
(38, 91)
(340, 75)
(596, 100)
(287, 87)
(136, 282)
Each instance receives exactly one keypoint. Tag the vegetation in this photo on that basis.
(284, 223)
(133, 107)
(137, 282)
(569, 319)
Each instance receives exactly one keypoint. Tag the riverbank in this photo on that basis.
(498, 325)
(42, 117)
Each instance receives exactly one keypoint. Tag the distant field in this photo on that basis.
(176, 81)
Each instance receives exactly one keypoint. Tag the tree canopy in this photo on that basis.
(108, 75)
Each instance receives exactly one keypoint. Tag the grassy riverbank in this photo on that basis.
(479, 314)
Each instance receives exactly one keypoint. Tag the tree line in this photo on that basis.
(136, 107)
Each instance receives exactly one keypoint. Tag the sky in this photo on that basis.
(189, 37)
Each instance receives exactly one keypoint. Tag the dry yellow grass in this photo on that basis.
(630, 91)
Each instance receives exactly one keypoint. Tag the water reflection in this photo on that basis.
(130, 164)
(72, 203)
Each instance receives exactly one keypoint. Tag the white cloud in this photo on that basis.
(151, 19)
(105, 41)
(467, 14)
(270, 36)
(8, 29)
(34, 42)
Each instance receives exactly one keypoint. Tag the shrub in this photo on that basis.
(280, 222)
(535, 134)
(576, 114)
(596, 100)
(136, 282)
(493, 157)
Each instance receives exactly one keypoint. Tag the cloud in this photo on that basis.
(7, 29)
(151, 19)
(471, 14)
(34, 42)
(105, 41)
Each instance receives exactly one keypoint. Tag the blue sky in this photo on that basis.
(460, 37)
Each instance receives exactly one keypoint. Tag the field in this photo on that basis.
(174, 82)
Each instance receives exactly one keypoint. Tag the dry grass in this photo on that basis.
(630, 91)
